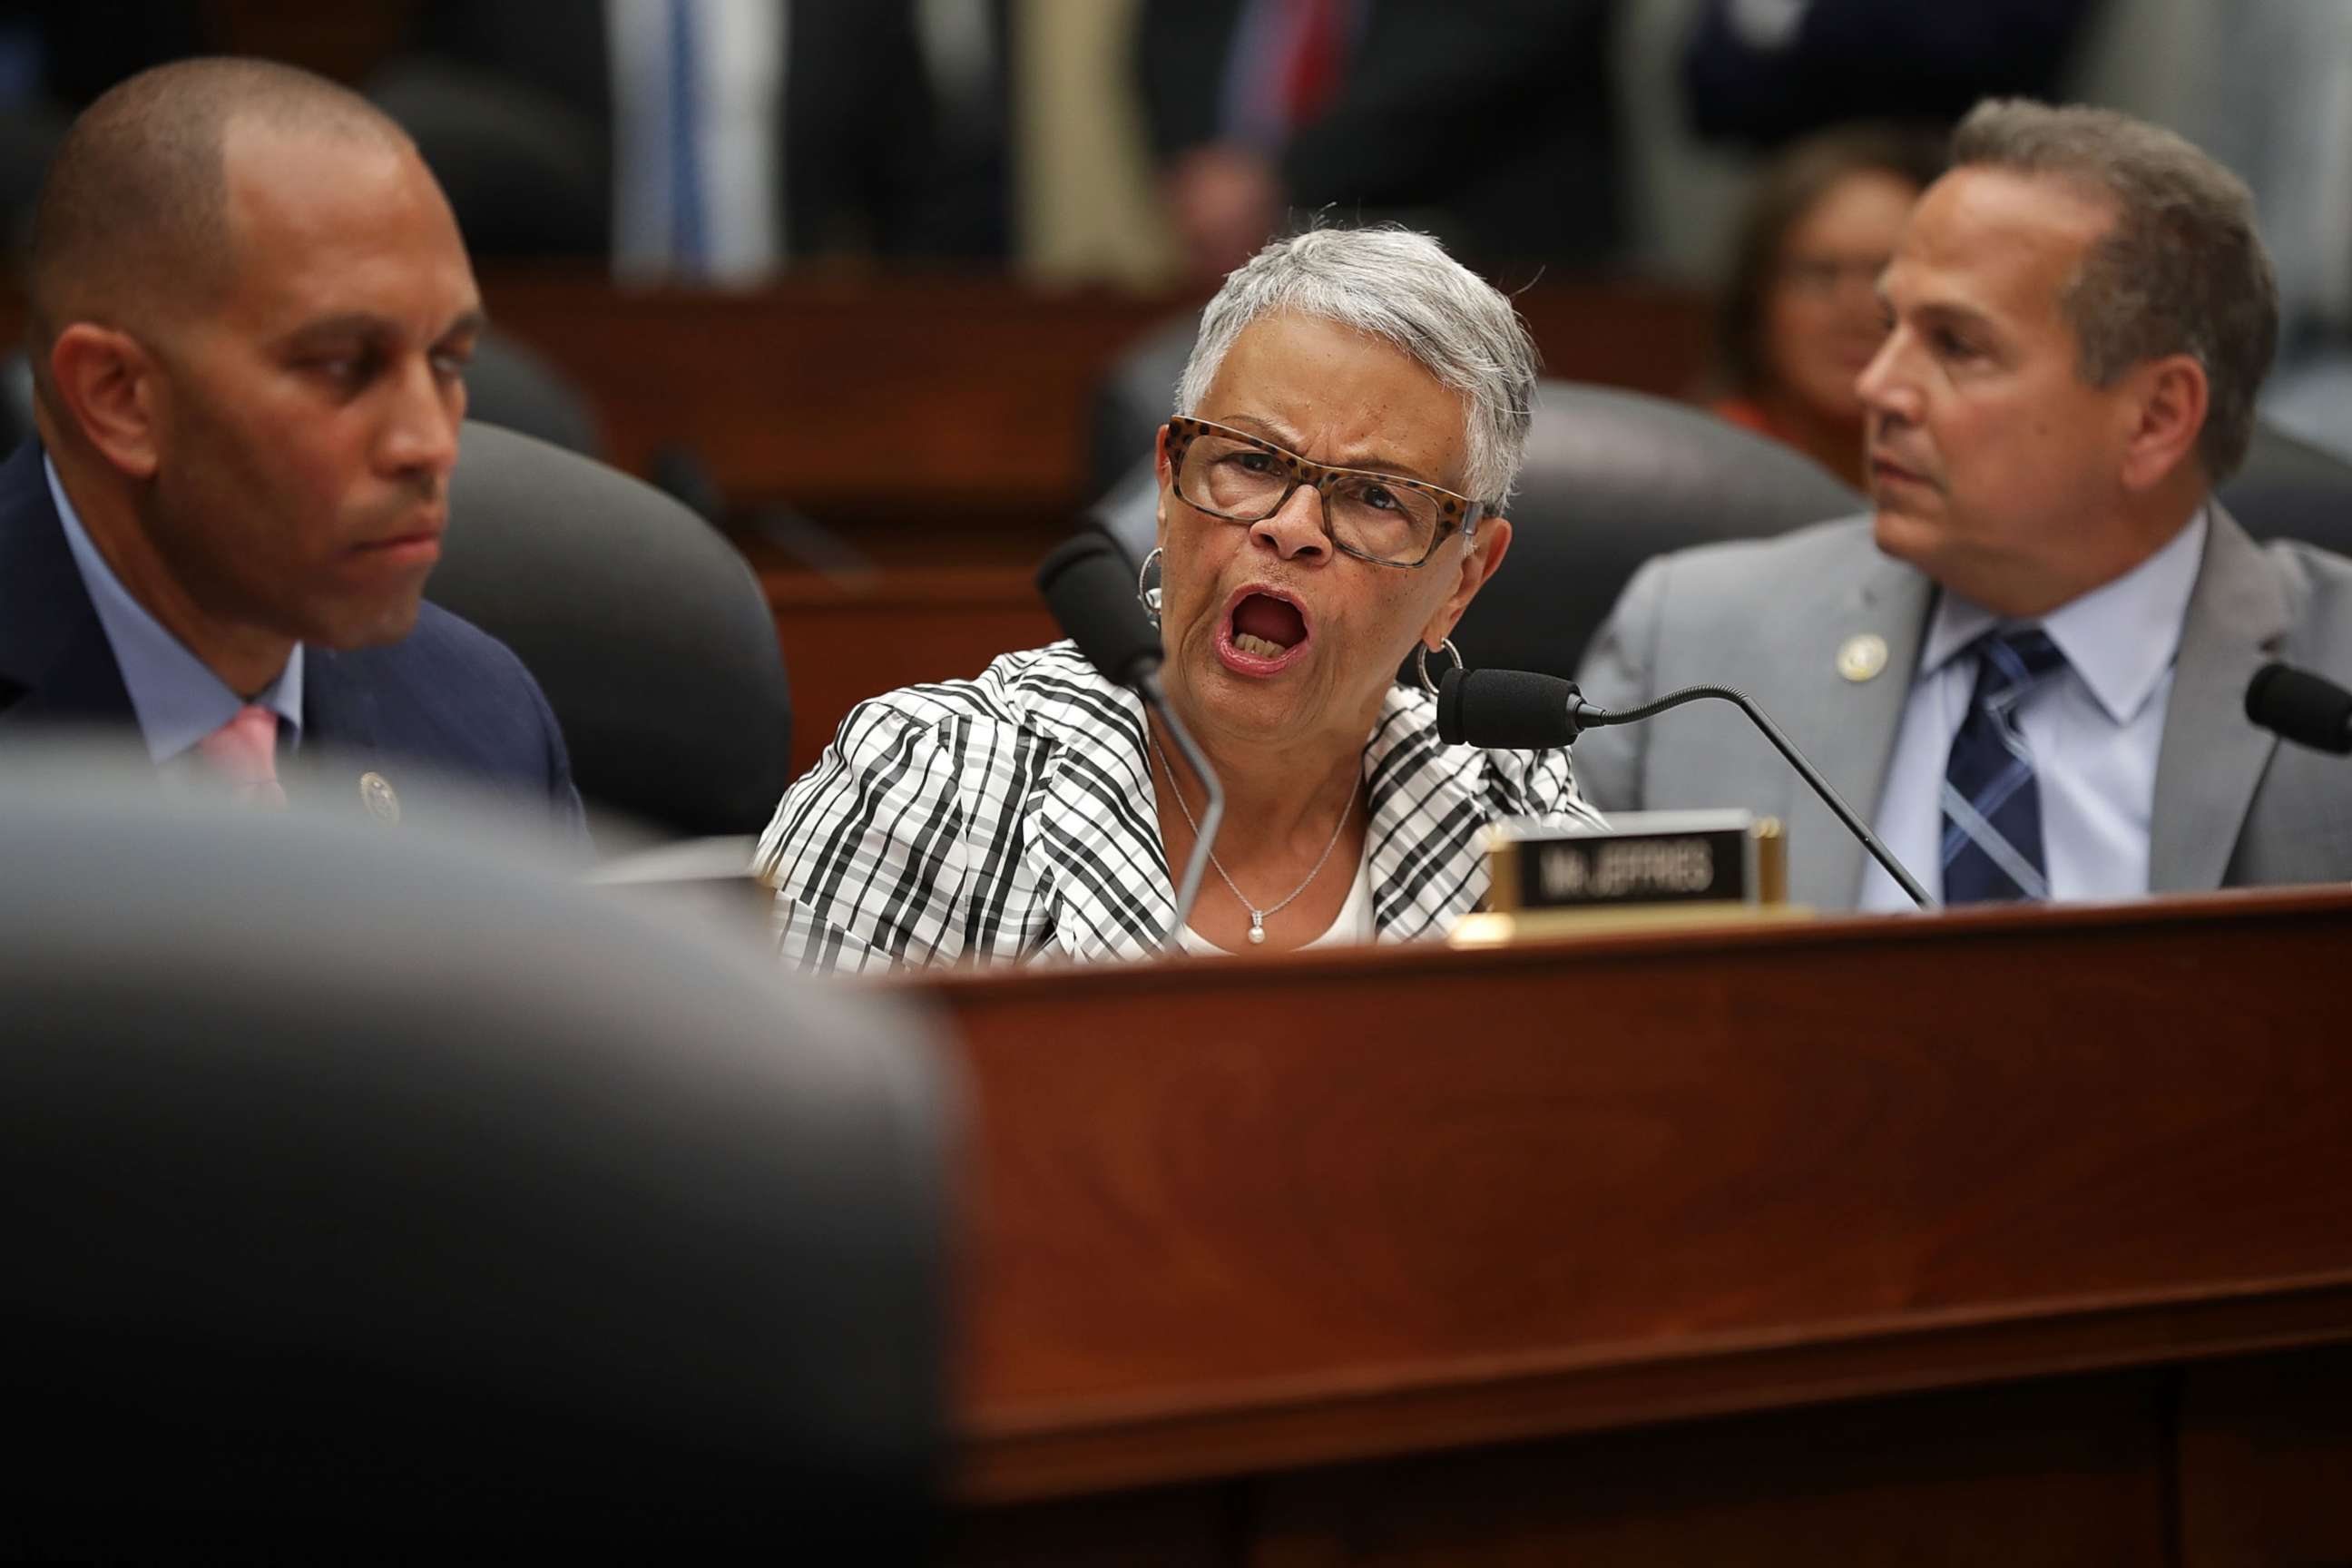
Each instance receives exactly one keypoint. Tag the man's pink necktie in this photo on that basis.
(243, 752)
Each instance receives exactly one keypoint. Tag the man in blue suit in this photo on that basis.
(250, 315)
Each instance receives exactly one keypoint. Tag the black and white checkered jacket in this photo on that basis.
(1011, 818)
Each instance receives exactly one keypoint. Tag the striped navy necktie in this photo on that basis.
(1992, 811)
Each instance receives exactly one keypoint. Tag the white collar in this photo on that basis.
(2120, 637)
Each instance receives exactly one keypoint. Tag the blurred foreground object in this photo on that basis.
(380, 1194)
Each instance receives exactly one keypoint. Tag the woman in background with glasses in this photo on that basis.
(1331, 499)
(1800, 316)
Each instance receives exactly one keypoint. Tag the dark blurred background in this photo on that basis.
(891, 290)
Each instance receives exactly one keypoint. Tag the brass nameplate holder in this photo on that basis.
(1645, 868)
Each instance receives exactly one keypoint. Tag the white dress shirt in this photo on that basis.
(2094, 730)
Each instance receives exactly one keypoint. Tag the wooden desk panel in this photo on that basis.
(2265, 1461)
(846, 640)
(2074, 1471)
(2021, 1476)
(1234, 1217)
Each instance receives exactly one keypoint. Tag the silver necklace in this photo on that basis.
(1257, 916)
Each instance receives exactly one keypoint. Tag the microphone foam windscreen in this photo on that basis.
(1512, 709)
(1090, 588)
(2306, 708)
(1449, 706)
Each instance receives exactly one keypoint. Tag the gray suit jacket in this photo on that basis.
(2233, 806)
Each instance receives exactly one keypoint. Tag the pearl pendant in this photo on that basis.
(1257, 928)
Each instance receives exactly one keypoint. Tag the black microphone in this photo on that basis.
(2309, 710)
(1519, 710)
(1090, 588)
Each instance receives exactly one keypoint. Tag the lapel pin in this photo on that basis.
(376, 794)
(1862, 656)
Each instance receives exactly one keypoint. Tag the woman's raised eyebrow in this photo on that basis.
(1376, 464)
(1265, 430)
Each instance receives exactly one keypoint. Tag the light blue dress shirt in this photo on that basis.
(2094, 730)
(176, 697)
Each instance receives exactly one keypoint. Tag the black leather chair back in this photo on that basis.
(366, 1194)
(2290, 489)
(1134, 400)
(528, 174)
(511, 385)
(1611, 479)
(644, 627)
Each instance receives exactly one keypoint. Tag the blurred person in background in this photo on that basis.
(1763, 72)
(1490, 124)
(1801, 315)
(1331, 498)
(250, 314)
(715, 139)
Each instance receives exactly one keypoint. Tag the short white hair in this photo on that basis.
(1401, 287)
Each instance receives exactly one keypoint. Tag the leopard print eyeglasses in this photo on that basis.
(1385, 519)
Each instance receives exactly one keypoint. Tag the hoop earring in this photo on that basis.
(1421, 663)
(1148, 594)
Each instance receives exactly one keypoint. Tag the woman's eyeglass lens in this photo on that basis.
(1369, 515)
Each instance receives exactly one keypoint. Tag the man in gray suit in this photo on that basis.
(2027, 667)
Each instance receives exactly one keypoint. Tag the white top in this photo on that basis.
(1353, 923)
(2094, 731)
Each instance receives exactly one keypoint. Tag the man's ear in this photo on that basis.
(2171, 399)
(106, 383)
(1478, 563)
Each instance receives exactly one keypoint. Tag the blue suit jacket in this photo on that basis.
(448, 701)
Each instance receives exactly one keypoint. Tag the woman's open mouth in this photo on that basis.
(1263, 632)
